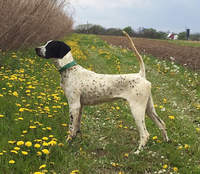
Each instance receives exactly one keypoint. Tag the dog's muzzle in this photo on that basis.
(38, 52)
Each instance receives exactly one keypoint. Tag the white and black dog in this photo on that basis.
(84, 87)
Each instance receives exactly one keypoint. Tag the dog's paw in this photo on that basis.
(69, 139)
(169, 141)
(137, 152)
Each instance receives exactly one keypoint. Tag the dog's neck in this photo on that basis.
(65, 60)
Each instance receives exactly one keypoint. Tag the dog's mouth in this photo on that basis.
(38, 52)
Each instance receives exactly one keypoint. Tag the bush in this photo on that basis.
(130, 31)
(96, 29)
(114, 31)
(182, 36)
(27, 22)
(195, 36)
(151, 33)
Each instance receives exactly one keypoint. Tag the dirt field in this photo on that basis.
(185, 55)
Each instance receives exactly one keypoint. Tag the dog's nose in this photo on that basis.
(37, 50)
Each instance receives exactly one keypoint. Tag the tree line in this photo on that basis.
(141, 32)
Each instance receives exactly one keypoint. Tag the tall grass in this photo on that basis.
(24, 23)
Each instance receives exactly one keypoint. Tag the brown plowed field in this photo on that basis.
(185, 55)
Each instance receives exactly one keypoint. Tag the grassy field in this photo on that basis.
(34, 117)
(185, 43)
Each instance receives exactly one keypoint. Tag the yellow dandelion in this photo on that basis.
(114, 164)
(64, 103)
(11, 142)
(126, 155)
(20, 118)
(21, 70)
(50, 116)
(165, 166)
(17, 148)
(21, 109)
(64, 125)
(171, 117)
(155, 138)
(20, 143)
(14, 56)
(45, 143)
(45, 151)
(42, 166)
(1, 116)
(24, 131)
(175, 169)
(198, 129)
(14, 151)
(38, 140)
(60, 144)
(31, 87)
(28, 144)
(45, 138)
(74, 172)
(186, 146)
(18, 105)
(37, 145)
(24, 153)
(38, 173)
(118, 108)
(39, 153)
(11, 162)
(52, 143)
(15, 94)
(180, 147)
(164, 100)
(32, 127)
(48, 128)
(161, 107)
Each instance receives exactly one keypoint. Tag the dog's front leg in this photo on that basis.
(75, 112)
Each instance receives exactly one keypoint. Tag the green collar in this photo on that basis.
(67, 66)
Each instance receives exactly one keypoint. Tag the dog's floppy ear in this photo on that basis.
(64, 49)
(56, 49)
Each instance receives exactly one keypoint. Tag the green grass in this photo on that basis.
(33, 106)
(185, 43)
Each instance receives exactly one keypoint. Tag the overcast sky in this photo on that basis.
(164, 15)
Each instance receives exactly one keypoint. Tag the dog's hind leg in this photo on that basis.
(151, 112)
(138, 112)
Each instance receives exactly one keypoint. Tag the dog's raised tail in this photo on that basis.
(139, 57)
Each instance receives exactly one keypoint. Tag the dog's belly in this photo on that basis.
(93, 98)
(96, 100)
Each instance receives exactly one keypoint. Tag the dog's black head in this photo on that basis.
(53, 49)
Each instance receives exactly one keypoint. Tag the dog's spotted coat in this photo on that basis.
(84, 87)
